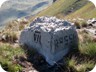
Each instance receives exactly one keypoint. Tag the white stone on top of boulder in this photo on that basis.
(51, 37)
(49, 20)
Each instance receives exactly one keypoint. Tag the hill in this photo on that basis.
(70, 8)
(87, 11)
(13, 9)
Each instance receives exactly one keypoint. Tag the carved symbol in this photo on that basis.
(71, 37)
(56, 43)
(37, 37)
(66, 40)
(61, 40)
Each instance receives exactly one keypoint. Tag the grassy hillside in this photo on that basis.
(69, 9)
(87, 11)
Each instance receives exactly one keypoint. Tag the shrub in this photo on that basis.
(9, 37)
(77, 24)
(84, 24)
(21, 27)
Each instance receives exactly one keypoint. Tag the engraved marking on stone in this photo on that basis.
(37, 37)
(65, 41)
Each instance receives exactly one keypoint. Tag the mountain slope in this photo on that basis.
(13, 9)
(57, 7)
(87, 11)
(69, 8)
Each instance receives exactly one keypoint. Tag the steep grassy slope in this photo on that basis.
(69, 9)
(57, 7)
(87, 11)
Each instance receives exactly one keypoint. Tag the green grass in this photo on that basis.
(60, 7)
(88, 48)
(87, 11)
(82, 61)
(57, 7)
(75, 64)
(66, 9)
(7, 53)
(85, 66)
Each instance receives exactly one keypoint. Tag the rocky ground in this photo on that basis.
(90, 28)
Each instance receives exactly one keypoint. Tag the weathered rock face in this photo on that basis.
(51, 37)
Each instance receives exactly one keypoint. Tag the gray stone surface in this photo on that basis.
(51, 37)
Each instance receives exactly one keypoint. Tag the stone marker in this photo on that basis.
(51, 37)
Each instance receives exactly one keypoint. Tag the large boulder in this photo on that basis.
(51, 37)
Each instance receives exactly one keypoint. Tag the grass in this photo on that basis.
(10, 36)
(69, 9)
(86, 66)
(80, 66)
(80, 62)
(88, 48)
(60, 7)
(7, 54)
(72, 62)
(77, 64)
(87, 11)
